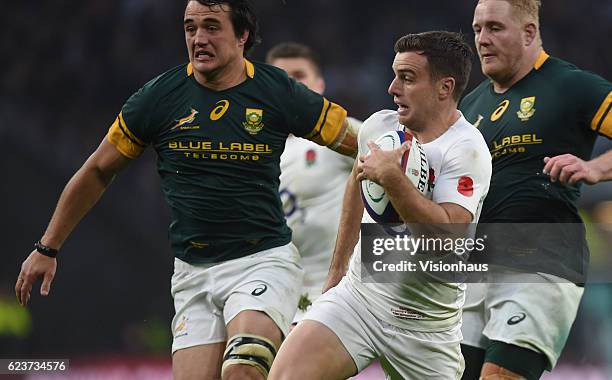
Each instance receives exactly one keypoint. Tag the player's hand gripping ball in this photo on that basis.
(413, 163)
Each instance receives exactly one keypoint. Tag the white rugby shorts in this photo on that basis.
(413, 354)
(530, 310)
(207, 297)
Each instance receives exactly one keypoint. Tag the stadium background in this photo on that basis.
(67, 67)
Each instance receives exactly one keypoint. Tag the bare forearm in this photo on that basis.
(350, 222)
(80, 194)
(83, 191)
(346, 141)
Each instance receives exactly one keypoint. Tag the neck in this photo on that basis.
(526, 65)
(224, 77)
(437, 125)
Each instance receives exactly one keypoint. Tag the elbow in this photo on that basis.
(97, 174)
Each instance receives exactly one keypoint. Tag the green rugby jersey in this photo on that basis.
(555, 109)
(219, 152)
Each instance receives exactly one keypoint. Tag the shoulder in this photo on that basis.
(170, 79)
(584, 92)
(275, 83)
(270, 74)
(164, 84)
(465, 142)
(568, 74)
(468, 134)
(559, 66)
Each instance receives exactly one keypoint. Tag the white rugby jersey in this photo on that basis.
(312, 183)
(460, 168)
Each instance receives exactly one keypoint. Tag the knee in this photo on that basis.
(247, 357)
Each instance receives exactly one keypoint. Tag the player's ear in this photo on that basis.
(243, 38)
(531, 33)
(446, 87)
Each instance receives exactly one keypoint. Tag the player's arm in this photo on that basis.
(315, 118)
(335, 130)
(593, 97)
(383, 168)
(348, 231)
(118, 148)
(80, 194)
(569, 169)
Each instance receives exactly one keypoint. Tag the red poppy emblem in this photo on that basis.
(311, 156)
(466, 186)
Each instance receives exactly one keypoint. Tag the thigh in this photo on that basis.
(312, 351)
(425, 355)
(201, 362)
(198, 320)
(348, 318)
(268, 282)
(535, 316)
(255, 323)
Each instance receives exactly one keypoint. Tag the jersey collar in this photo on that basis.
(249, 67)
(543, 57)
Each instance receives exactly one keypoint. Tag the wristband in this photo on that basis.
(44, 250)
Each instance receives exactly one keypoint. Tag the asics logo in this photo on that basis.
(259, 290)
(517, 319)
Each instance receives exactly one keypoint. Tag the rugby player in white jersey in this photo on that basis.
(353, 323)
(312, 180)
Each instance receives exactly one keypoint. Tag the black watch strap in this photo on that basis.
(44, 250)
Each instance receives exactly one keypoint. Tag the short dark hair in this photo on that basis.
(294, 50)
(243, 18)
(447, 53)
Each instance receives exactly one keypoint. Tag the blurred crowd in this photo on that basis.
(67, 67)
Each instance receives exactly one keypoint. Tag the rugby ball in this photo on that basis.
(413, 163)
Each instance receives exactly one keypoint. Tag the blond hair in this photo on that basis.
(526, 9)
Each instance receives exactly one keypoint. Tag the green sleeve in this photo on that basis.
(593, 95)
(137, 113)
(313, 117)
(303, 109)
(131, 131)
